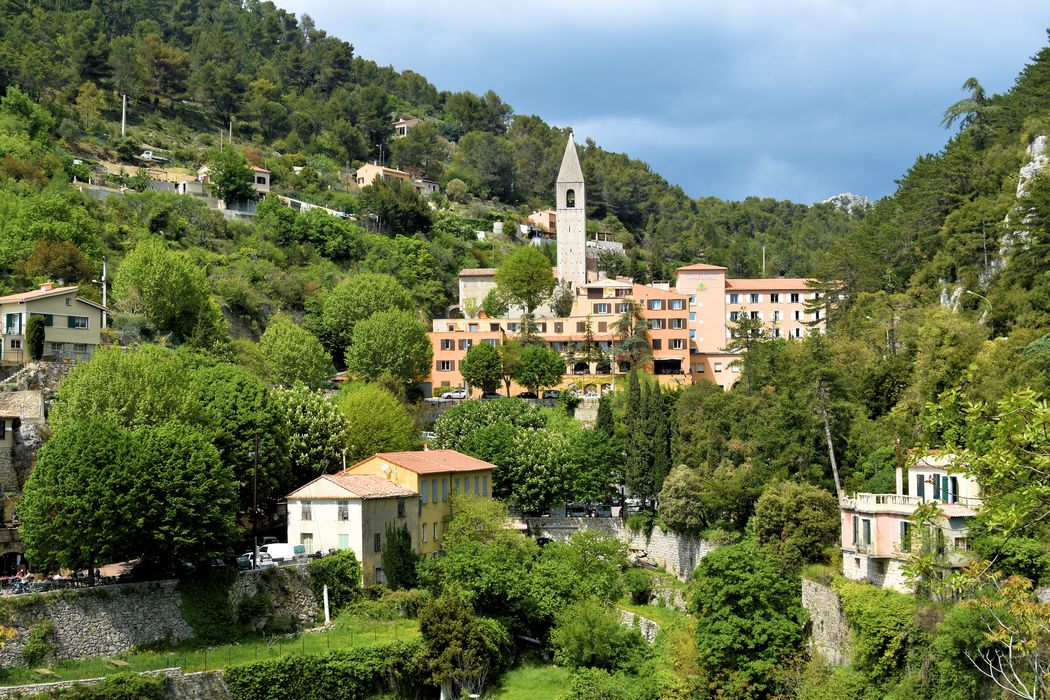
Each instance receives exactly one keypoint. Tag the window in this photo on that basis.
(344, 511)
(444, 490)
(793, 298)
(69, 301)
(570, 199)
(796, 315)
(920, 487)
(14, 324)
(602, 308)
(512, 327)
(344, 541)
(866, 522)
(581, 327)
(76, 321)
(400, 507)
(692, 300)
(656, 304)
(57, 348)
(423, 532)
(756, 315)
(541, 327)
(701, 369)
(494, 327)
(80, 348)
(623, 292)
(677, 344)
(433, 490)
(49, 320)
(477, 490)
(797, 332)
(856, 526)
(484, 486)
(455, 486)
(718, 366)
(657, 345)
(954, 482)
(677, 304)
(945, 492)
(623, 308)
(677, 323)
(603, 327)
(657, 324)
(936, 488)
(306, 539)
(774, 298)
(444, 365)
(692, 315)
(905, 536)
(16, 344)
(435, 531)
(754, 298)
(777, 316)
(307, 512)
(962, 543)
(465, 344)
(735, 369)
(734, 315)
(775, 332)
(377, 542)
(492, 342)
(558, 325)
(448, 344)
(734, 298)
(472, 328)
(692, 334)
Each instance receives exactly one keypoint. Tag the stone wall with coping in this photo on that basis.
(647, 627)
(113, 620)
(829, 630)
(679, 554)
(180, 686)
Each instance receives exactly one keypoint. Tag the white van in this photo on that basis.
(284, 553)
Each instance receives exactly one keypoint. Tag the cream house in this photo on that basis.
(351, 512)
(72, 325)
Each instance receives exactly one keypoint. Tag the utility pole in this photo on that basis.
(255, 508)
(105, 323)
(230, 139)
(763, 261)
(123, 114)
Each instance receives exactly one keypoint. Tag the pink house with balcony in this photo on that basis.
(878, 534)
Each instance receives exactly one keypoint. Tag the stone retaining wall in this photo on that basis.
(647, 627)
(181, 686)
(677, 553)
(829, 630)
(113, 620)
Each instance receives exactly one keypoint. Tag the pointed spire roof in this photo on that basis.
(570, 164)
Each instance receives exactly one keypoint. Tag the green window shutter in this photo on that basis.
(71, 322)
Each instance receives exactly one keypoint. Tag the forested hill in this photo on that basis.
(189, 68)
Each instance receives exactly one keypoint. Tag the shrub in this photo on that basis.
(124, 686)
(639, 583)
(351, 673)
(39, 643)
(252, 607)
(598, 684)
(35, 336)
(883, 624)
(205, 606)
(341, 573)
(589, 634)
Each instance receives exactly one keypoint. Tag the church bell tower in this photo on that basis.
(572, 219)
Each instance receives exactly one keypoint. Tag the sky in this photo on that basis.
(792, 99)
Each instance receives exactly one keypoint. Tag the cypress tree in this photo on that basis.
(638, 463)
(604, 422)
(399, 561)
(659, 434)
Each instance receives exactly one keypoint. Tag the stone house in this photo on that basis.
(351, 512)
(878, 533)
(72, 325)
(432, 475)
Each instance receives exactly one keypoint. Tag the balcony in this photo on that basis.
(903, 505)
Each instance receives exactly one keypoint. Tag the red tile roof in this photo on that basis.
(365, 486)
(431, 461)
(477, 272)
(773, 284)
(37, 294)
(701, 266)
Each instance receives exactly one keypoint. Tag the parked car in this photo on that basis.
(490, 395)
(269, 539)
(591, 394)
(427, 435)
(552, 394)
(455, 394)
(265, 560)
(577, 510)
(602, 510)
(244, 561)
(526, 395)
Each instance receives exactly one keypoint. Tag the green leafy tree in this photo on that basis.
(58, 260)
(588, 634)
(681, 501)
(390, 206)
(422, 150)
(456, 190)
(230, 177)
(353, 300)
(376, 421)
(510, 355)
(399, 558)
(495, 304)
(796, 522)
(295, 355)
(539, 367)
(562, 300)
(593, 460)
(749, 618)
(317, 431)
(482, 368)
(341, 573)
(391, 343)
(35, 336)
(171, 292)
(459, 422)
(744, 334)
(525, 278)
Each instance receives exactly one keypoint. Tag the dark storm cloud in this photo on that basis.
(797, 100)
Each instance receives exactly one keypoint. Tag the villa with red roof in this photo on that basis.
(72, 325)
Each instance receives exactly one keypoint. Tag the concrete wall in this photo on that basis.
(829, 631)
(677, 553)
(111, 620)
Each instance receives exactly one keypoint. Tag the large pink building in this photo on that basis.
(689, 319)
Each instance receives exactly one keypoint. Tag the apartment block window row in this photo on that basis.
(677, 304)
(656, 304)
(677, 323)
(602, 308)
(445, 365)
(657, 324)
(677, 344)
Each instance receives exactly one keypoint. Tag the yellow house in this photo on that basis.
(72, 326)
(434, 475)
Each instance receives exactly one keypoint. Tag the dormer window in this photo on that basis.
(570, 199)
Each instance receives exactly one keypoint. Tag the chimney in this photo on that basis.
(47, 287)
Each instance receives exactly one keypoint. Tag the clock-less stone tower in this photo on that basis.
(572, 220)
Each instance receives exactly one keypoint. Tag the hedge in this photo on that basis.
(398, 667)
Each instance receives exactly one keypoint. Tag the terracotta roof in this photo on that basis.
(361, 486)
(257, 169)
(774, 284)
(956, 510)
(701, 266)
(37, 294)
(432, 461)
(477, 272)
